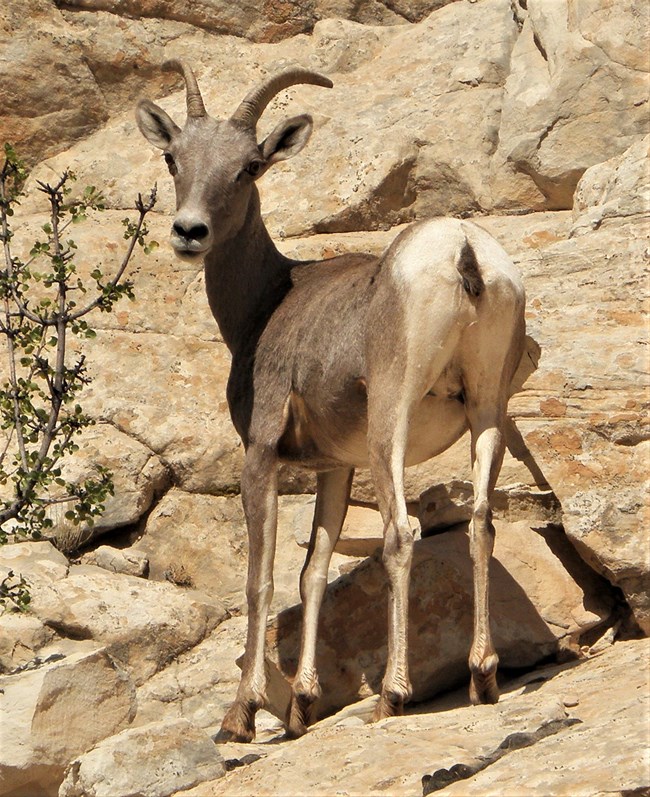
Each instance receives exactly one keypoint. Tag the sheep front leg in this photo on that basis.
(260, 499)
(332, 497)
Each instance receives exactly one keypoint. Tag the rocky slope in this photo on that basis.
(530, 117)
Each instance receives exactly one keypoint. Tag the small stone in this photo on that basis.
(130, 562)
(569, 701)
(350, 722)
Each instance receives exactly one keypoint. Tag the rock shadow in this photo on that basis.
(351, 651)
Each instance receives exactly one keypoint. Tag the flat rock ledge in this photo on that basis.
(586, 724)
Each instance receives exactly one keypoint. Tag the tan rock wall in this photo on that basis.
(531, 118)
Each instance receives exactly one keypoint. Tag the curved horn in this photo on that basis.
(195, 106)
(254, 103)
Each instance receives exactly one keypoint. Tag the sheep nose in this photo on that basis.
(191, 232)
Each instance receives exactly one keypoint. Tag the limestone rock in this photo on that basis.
(38, 561)
(445, 505)
(154, 760)
(523, 151)
(131, 562)
(271, 22)
(52, 714)
(142, 624)
(614, 190)
(43, 116)
(122, 53)
(373, 179)
(138, 477)
(266, 24)
(361, 535)
(21, 637)
(205, 538)
(542, 599)
(584, 411)
(199, 684)
(605, 746)
(569, 102)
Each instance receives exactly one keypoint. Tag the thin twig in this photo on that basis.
(143, 208)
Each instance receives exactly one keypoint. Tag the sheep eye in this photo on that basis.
(254, 168)
(171, 163)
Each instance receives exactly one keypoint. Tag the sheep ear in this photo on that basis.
(288, 138)
(155, 125)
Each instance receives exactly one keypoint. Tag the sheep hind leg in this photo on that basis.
(488, 445)
(386, 451)
(332, 495)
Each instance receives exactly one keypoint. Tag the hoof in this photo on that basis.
(299, 715)
(225, 735)
(483, 686)
(238, 725)
(389, 705)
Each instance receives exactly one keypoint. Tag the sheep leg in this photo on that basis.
(488, 446)
(387, 453)
(333, 492)
(260, 499)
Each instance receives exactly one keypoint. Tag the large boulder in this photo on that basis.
(131, 562)
(614, 191)
(143, 624)
(21, 637)
(575, 94)
(23, 634)
(154, 760)
(46, 115)
(138, 476)
(198, 685)
(543, 598)
(56, 712)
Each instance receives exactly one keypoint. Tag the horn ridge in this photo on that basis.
(195, 106)
(252, 106)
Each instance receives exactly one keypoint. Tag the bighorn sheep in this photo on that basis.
(356, 361)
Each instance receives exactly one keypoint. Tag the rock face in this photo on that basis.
(563, 109)
(614, 190)
(44, 116)
(139, 477)
(74, 663)
(531, 118)
(144, 624)
(594, 395)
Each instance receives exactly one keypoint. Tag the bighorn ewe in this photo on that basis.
(356, 361)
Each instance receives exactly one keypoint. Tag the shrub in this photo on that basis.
(43, 302)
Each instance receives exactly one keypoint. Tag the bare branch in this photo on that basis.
(143, 208)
